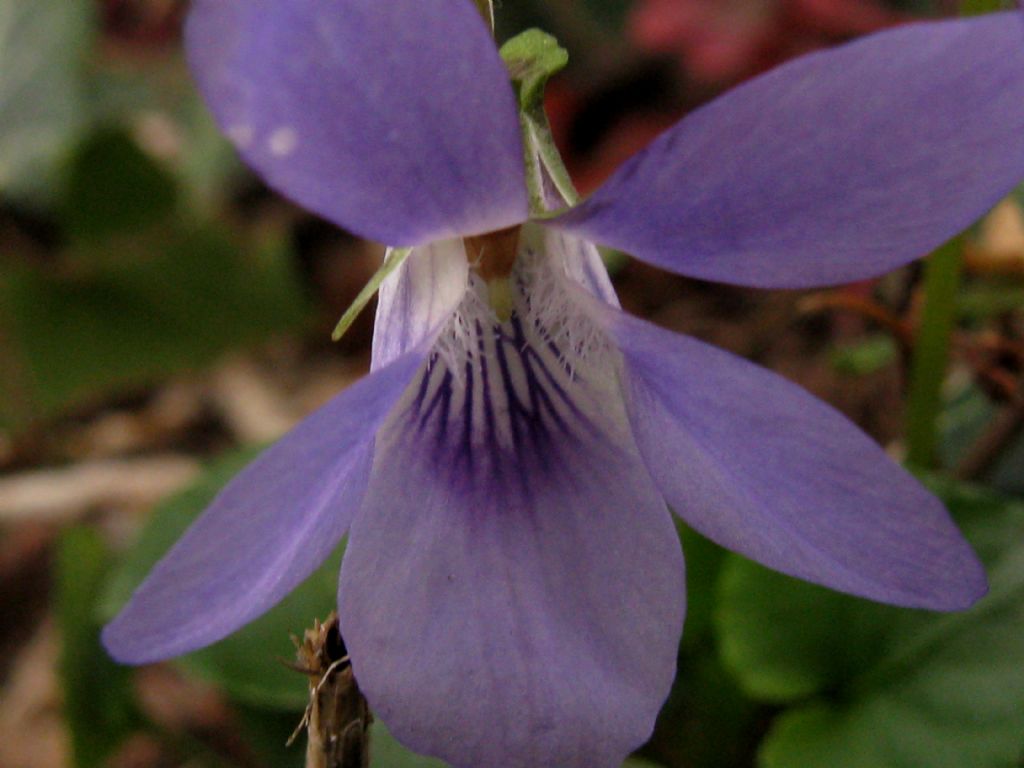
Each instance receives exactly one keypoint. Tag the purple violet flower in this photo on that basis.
(512, 591)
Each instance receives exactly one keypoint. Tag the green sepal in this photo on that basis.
(532, 57)
(393, 259)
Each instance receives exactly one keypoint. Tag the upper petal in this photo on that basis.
(392, 119)
(512, 591)
(761, 467)
(834, 167)
(265, 532)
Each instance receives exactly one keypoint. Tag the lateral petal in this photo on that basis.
(758, 465)
(834, 167)
(266, 532)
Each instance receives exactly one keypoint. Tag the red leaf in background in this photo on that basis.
(721, 41)
(142, 22)
(620, 140)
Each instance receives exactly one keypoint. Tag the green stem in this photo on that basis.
(931, 349)
(931, 353)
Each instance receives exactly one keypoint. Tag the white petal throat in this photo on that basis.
(500, 401)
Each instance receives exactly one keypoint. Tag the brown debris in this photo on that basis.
(32, 732)
(337, 719)
(66, 493)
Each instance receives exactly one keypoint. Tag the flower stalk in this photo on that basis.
(938, 316)
(931, 352)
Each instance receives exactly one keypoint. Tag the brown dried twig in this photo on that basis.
(337, 718)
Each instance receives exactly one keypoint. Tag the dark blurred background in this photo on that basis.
(162, 314)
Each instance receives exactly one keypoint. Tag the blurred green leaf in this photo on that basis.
(97, 694)
(611, 13)
(43, 44)
(892, 687)
(248, 664)
(984, 300)
(966, 412)
(969, 412)
(864, 357)
(209, 161)
(386, 752)
(614, 261)
(785, 639)
(78, 335)
(268, 731)
(1008, 474)
(157, 96)
(114, 188)
(704, 560)
(706, 722)
(976, 7)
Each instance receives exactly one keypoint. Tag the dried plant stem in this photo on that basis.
(64, 493)
(337, 719)
(865, 307)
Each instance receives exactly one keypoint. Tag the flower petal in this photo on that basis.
(579, 258)
(838, 166)
(418, 298)
(761, 467)
(392, 119)
(266, 531)
(512, 591)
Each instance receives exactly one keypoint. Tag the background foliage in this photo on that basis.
(162, 315)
